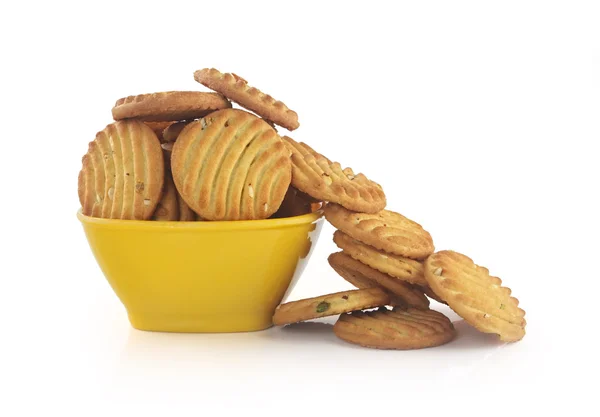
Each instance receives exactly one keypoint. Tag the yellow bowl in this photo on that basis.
(202, 276)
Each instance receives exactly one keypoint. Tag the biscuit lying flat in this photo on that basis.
(395, 329)
(324, 180)
(231, 165)
(236, 89)
(397, 266)
(386, 230)
(363, 276)
(169, 106)
(123, 173)
(329, 305)
(474, 295)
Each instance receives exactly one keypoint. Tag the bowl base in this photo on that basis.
(182, 323)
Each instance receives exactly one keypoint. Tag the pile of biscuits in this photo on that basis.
(190, 156)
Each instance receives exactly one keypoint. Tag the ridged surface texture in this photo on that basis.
(363, 276)
(395, 329)
(123, 173)
(386, 230)
(474, 295)
(236, 89)
(231, 165)
(324, 180)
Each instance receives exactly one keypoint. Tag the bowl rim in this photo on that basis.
(202, 225)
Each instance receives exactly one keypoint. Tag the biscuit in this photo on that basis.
(237, 89)
(158, 128)
(329, 305)
(324, 180)
(123, 173)
(429, 293)
(474, 295)
(397, 266)
(172, 131)
(295, 203)
(395, 329)
(231, 165)
(386, 230)
(169, 106)
(363, 276)
(168, 206)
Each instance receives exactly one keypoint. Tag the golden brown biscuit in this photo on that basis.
(429, 293)
(123, 173)
(172, 131)
(397, 266)
(168, 206)
(237, 89)
(363, 276)
(231, 165)
(395, 329)
(318, 177)
(386, 230)
(474, 295)
(329, 305)
(169, 106)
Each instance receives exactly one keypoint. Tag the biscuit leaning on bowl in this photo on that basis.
(236, 89)
(363, 276)
(474, 295)
(324, 180)
(231, 165)
(123, 173)
(385, 230)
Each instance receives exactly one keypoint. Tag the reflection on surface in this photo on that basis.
(467, 337)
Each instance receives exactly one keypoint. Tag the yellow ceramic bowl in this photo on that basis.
(202, 276)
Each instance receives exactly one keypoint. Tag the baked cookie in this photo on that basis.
(474, 295)
(395, 329)
(397, 266)
(123, 173)
(329, 305)
(363, 276)
(169, 106)
(172, 131)
(231, 165)
(318, 177)
(158, 128)
(237, 89)
(295, 203)
(171, 206)
(386, 230)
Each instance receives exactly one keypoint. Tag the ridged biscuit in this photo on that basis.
(474, 295)
(169, 106)
(395, 329)
(324, 180)
(329, 305)
(397, 266)
(172, 131)
(386, 230)
(171, 206)
(123, 173)
(363, 276)
(231, 165)
(237, 89)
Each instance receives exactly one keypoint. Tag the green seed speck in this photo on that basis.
(322, 307)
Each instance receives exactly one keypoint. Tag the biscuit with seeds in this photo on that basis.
(474, 295)
(172, 131)
(236, 89)
(169, 106)
(397, 266)
(171, 206)
(399, 328)
(329, 305)
(123, 173)
(363, 276)
(386, 230)
(231, 165)
(324, 180)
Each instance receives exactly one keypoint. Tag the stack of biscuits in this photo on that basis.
(190, 156)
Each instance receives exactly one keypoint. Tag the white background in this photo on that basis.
(480, 120)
